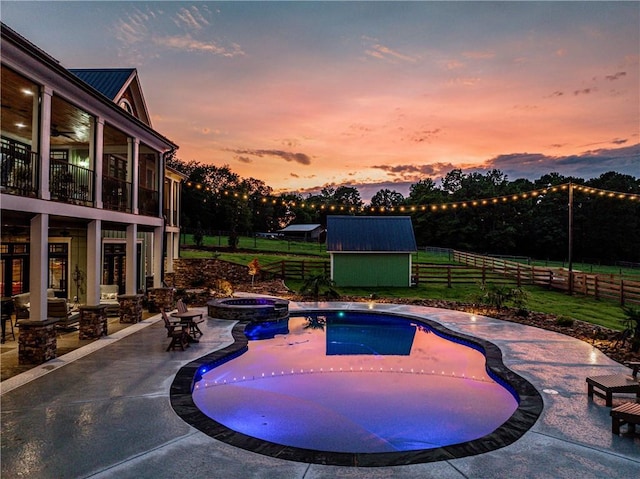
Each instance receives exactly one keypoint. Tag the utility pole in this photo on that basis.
(570, 284)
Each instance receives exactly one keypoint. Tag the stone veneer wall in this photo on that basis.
(37, 341)
(93, 322)
(160, 299)
(130, 308)
(203, 273)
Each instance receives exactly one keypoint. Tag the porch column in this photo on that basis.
(94, 263)
(170, 239)
(132, 260)
(97, 161)
(135, 173)
(44, 142)
(158, 258)
(39, 267)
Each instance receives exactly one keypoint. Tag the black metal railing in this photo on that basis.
(70, 183)
(148, 201)
(116, 194)
(19, 170)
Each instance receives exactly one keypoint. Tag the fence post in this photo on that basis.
(283, 270)
(518, 277)
(302, 271)
(621, 292)
(448, 276)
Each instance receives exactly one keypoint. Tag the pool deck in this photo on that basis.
(103, 411)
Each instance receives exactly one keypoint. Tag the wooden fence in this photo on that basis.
(625, 290)
(476, 269)
(290, 269)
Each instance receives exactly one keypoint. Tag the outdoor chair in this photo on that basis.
(607, 386)
(58, 308)
(177, 332)
(194, 318)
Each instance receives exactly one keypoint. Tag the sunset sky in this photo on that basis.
(369, 94)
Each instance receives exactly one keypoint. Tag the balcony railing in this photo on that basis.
(71, 183)
(19, 170)
(116, 194)
(148, 201)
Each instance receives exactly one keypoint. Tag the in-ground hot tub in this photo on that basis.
(256, 309)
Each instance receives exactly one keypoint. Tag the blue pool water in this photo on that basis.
(357, 383)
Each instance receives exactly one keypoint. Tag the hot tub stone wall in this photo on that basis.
(248, 309)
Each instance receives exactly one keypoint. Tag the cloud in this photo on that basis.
(615, 76)
(244, 159)
(300, 158)
(186, 30)
(478, 55)
(416, 172)
(191, 18)
(382, 52)
(423, 136)
(584, 91)
(188, 43)
(589, 164)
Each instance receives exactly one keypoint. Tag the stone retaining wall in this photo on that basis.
(204, 273)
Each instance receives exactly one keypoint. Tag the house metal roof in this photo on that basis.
(370, 233)
(108, 81)
(300, 228)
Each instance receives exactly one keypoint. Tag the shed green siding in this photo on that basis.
(378, 269)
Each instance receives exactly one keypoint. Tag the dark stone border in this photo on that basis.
(529, 409)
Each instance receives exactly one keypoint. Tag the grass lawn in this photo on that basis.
(601, 312)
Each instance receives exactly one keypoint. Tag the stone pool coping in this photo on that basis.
(529, 409)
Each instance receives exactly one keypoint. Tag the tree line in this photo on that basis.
(605, 229)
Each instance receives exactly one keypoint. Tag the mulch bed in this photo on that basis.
(600, 337)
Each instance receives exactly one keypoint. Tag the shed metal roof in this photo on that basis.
(108, 81)
(370, 233)
(300, 228)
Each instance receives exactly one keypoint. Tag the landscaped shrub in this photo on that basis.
(564, 321)
(499, 296)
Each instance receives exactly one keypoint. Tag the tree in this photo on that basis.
(387, 198)
(254, 268)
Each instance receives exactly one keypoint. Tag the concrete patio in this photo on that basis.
(103, 411)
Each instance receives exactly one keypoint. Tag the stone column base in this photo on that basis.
(130, 308)
(37, 341)
(161, 299)
(93, 322)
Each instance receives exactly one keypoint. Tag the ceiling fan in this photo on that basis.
(55, 132)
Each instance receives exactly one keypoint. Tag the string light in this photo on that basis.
(504, 199)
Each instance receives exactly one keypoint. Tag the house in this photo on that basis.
(302, 232)
(86, 198)
(370, 250)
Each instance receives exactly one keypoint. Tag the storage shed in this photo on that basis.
(370, 250)
(302, 232)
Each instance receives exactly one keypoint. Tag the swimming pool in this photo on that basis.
(361, 389)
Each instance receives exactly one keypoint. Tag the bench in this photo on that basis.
(627, 413)
(607, 386)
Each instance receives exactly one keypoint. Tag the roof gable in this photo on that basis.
(119, 85)
(370, 233)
